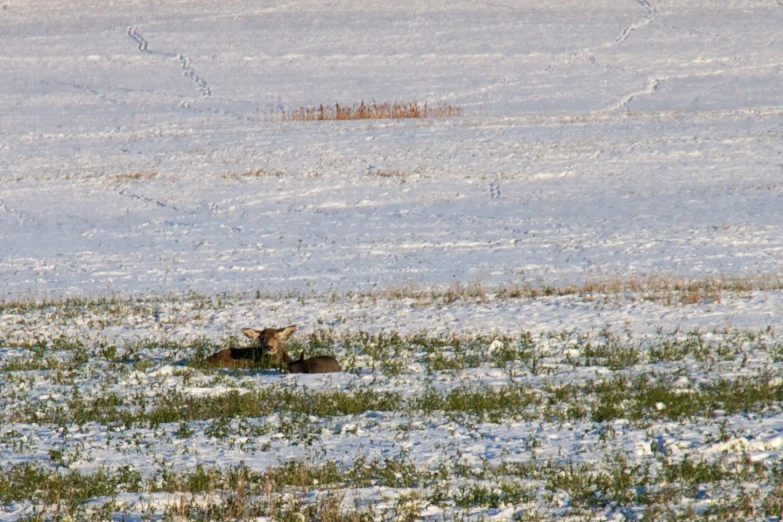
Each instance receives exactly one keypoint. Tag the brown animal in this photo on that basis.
(268, 343)
(317, 364)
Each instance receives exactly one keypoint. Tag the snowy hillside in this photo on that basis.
(599, 140)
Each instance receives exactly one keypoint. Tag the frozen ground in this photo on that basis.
(82, 381)
(599, 140)
(142, 153)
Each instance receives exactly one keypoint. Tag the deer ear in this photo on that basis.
(282, 333)
(302, 357)
(251, 333)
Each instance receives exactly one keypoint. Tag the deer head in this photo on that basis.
(270, 341)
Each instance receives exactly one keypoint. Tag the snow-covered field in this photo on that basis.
(145, 170)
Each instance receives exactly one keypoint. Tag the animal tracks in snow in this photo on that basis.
(21, 217)
(652, 86)
(652, 14)
(625, 33)
(139, 39)
(654, 83)
(189, 72)
(149, 200)
(494, 189)
(185, 63)
(85, 88)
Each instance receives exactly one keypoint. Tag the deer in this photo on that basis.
(317, 364)
(268, 344)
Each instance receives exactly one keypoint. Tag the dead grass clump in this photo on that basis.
(660, 289)
(673, 290)
(132, 176)
(444, 294)
(400, 174)
(373, 111)
(254, 173)
(692, 291)
(280, 494)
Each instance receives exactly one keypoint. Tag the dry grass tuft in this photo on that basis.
(666, 290)
(132, 176)
(400, 174)
(254, 173)
(373, 111)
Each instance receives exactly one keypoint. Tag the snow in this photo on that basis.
(142, 154)
(597, 141)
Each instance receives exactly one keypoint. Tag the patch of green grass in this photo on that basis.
(227, 493)
(33, 481)
(504, 493)
(151, 393)
(642, 398)
(653, 396)
(175, 407)
(484, 404)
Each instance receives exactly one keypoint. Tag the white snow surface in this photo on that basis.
(599, 139)
(142, 153)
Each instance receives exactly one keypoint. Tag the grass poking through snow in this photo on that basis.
(371, 111)
(669, 425)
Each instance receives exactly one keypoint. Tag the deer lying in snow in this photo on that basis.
(269, 345)
(317, 364)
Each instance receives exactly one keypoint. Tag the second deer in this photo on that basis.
(317, 364)
(267, 345)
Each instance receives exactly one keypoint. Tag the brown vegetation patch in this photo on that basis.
(661, 289)
(372, 111)
(132, 176)
(254, 173)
